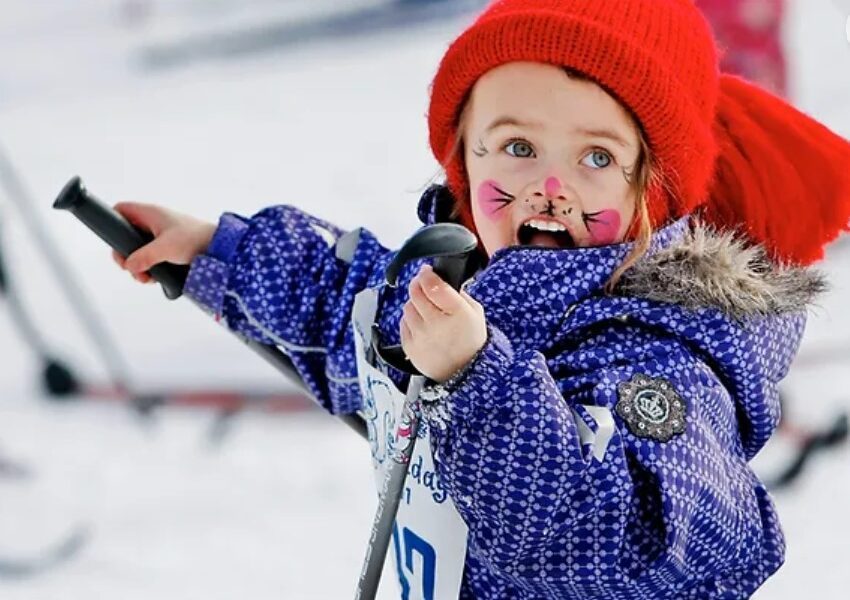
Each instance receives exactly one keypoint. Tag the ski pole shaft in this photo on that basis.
(391, 493)
(116, 231)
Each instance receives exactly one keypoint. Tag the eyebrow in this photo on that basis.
(513, 121)
(607, 134)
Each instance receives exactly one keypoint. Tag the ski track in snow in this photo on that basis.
(282, 508)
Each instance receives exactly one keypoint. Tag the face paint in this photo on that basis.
(480, 150)
(492, 198)
(603, 226)
(552, 186)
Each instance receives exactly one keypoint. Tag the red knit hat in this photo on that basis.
(781, 178)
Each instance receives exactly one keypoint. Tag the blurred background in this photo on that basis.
(209, 477)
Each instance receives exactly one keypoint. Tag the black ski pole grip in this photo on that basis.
(119, 233)
(449, 244)
(451, 269)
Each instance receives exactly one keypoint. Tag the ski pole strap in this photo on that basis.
(123, 237)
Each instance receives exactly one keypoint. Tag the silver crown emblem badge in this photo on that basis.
(651, 408)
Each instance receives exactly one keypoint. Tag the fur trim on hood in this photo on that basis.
(714, 269)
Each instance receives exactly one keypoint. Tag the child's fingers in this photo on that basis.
(145, 216)
(406, 334)
(147, 256)
(412, 316)
(427, 309)
(438, 292)
(142, 277)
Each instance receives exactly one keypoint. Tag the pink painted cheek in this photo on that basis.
(491, 201)
(605, 227)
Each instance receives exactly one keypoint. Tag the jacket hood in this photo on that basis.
(713, 269)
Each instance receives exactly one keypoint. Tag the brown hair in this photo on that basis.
(642, 177)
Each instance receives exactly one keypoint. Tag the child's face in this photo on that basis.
(549, 159)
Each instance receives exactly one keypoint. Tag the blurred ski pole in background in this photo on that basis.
(57, 377)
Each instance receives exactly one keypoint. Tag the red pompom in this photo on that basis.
(781, 178)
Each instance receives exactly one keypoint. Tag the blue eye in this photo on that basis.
(519, 149)
(598, 159)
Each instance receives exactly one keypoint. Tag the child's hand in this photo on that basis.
(178, 238)
(441, 329)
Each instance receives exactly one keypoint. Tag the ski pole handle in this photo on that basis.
(116, 231)
(449, 244)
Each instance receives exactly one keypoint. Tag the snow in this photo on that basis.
(281, 508)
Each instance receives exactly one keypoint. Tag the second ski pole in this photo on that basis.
(452, 247)
(116, 231)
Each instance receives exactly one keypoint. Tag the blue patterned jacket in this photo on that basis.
(685, 357)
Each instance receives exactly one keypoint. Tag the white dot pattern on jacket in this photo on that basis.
(548, 517)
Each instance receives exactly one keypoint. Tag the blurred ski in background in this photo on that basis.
(231, 31)
(181, 466)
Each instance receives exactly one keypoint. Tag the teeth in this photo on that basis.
(545, 225)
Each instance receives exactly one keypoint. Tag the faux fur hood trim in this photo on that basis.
(714, 269)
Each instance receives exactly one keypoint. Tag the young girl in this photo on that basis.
(598, 388)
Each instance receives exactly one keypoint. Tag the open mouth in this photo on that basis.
(548, 234)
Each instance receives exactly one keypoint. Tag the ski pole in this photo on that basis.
(118, 233)
(109, 353)
(451, 246)
(57, 377)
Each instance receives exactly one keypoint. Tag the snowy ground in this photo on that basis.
(283, 507)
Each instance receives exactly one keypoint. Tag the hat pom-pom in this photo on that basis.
(781, 178)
